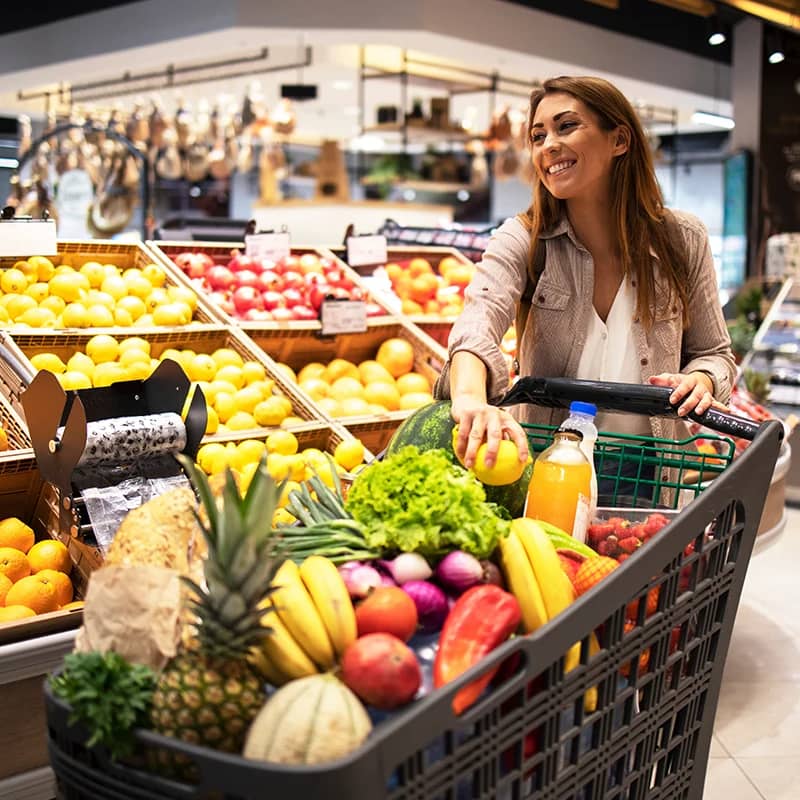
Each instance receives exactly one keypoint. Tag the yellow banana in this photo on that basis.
(297, 611)
(557, 591)
(522, 582)
(330, 596)
(282, 658)
(267, 669)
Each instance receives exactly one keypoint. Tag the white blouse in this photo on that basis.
(610, 355)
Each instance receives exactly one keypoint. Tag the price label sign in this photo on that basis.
(23, 238)
(363, 251)
(267, 246)
(343, 316)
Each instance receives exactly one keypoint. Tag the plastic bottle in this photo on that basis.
(581, 418)
(561, 484)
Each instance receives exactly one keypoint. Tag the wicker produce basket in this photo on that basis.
(125, 256)
(22, 346)
(436, 326)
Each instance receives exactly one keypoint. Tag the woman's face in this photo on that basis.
(572, 153)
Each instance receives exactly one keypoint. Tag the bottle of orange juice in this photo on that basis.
(561, 486)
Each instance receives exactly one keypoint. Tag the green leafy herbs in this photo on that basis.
(421, 502)
(108, 694)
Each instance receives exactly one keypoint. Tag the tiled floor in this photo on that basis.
(755, 754)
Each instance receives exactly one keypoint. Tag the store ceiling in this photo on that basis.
(336, 56)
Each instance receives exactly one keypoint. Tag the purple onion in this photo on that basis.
(459, 571)
(386, 580)
(431, 602)
(492, 574)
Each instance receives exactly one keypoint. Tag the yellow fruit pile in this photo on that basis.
(285, 461)
(376, 386)
(239, 394)
(34, 576)
(35, 293)
(4, 443)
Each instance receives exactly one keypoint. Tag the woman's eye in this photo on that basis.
(566, 125)
(537, 137)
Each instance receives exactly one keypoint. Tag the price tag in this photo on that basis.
(343, 316)
(365, 251)
(23, 238)
(267, 246)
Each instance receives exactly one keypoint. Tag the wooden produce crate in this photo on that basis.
(25, 495)
(221, 253)
(375, 433)
(23, 346)
(124, 256)
(16, 430)
(436, 325)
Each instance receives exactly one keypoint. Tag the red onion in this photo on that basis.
(407, 567)
(431, 603)
(360, 579)
(492, 574)
(459, 571)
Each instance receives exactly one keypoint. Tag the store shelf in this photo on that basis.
(419, 133)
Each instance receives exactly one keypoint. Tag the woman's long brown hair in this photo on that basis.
(637, 202)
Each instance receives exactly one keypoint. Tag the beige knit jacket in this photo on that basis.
(554, 337)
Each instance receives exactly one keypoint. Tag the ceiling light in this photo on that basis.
(717, 38)
(714, 120)
(776, 56)
(774, 44)
(716, 32)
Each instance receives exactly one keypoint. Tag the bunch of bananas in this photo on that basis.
(312, 623)
(533, 572)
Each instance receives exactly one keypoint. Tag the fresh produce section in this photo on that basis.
(96, 286)
(249, 289)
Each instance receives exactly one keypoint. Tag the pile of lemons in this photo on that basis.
(239, 394)
(285, 462)
(35, 293)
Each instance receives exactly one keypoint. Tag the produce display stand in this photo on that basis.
(435, 325)
(14, 426)
(530, 736)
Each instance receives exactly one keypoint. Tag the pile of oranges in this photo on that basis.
(386, 383)
(422, 291)
(34, 576)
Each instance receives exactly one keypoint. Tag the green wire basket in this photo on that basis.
(645, 471)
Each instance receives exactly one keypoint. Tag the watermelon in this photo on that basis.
(431, 427)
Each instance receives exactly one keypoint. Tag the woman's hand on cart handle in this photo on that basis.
(479, 422)
(694, 391)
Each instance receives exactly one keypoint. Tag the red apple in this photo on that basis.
(304, 312)
(269, 280)
(194, 265)
(220, 277)
(381, 670)
(273, 300)
(246, 277)
(316, 294)
(293, 297)
(282, 314)
(247, 297)
(240, 262)
(293, 279)
(257, 315)
(289, 262)
(309, 262)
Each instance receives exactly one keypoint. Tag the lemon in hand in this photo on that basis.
(506, 469)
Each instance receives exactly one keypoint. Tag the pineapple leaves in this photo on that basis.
(199, 482)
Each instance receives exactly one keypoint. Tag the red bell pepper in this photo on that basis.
(481, 619)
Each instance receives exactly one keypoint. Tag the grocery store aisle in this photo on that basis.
(755, 754)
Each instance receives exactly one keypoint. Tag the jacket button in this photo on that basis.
(643, 362)
(674, 309)
(541, 298)
(636, 320)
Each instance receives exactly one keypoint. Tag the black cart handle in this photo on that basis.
(633, 398)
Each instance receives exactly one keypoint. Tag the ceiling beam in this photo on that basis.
(780, 12)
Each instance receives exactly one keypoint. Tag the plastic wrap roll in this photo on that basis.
(123, 440)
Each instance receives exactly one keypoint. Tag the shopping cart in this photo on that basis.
(531, 735)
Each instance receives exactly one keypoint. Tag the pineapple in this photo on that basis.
(208, 694)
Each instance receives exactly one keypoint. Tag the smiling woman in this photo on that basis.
(618, 287)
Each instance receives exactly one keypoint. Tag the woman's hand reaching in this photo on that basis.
(479, 422)
(694, 391)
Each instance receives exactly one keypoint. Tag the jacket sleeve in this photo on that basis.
(706, 341)
(490, 306)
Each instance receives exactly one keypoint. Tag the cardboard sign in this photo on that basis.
(23, 238)
(364, 251)
(267, 246)
(343, 316)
